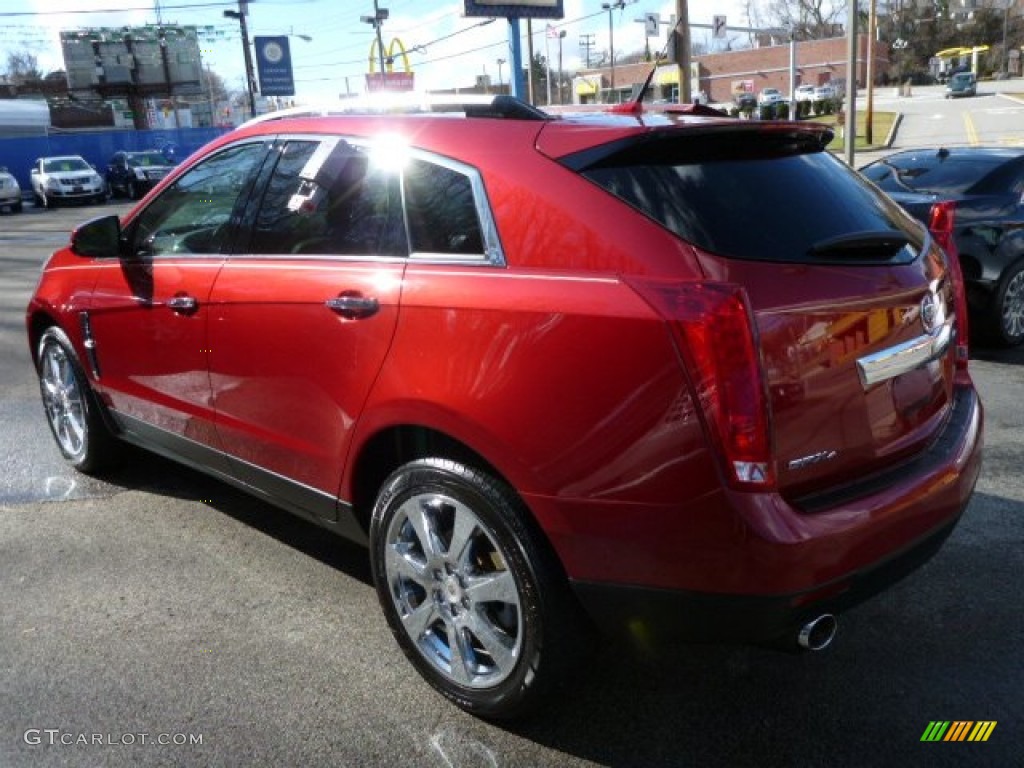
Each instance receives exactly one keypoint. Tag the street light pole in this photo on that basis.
(380, 15)
(1006, 19)
(618, 5)
(561, 76)
(501, 82)
(240, 15)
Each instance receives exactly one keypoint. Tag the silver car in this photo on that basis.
(10, 191)
(66, 178)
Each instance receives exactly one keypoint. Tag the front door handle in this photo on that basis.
(353, 306)
(183, 304)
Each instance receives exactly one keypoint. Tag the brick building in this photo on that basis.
(719, 74)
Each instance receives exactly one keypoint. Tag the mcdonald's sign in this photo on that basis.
(389, 80)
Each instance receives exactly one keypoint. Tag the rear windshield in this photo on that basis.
(939, 173)
(146, 159)
(749, 196)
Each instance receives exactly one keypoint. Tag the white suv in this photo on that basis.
(804, 93)
(56, 179)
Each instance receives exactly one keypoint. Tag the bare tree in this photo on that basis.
(23, 67)
(809, 19)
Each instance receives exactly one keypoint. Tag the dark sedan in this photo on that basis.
(132, 174)
(979, 192)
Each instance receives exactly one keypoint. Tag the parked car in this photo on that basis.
(744, 100)
(979, 193)
(537, 368)
(824, 93)
(10, 191)
(804, 93)
(962, 84)
(65, 179)
(770, 96)
(132, 174)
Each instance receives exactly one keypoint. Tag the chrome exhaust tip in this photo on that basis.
(817, 634)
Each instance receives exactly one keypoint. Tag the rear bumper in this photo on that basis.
(752, 567)
(653, 616)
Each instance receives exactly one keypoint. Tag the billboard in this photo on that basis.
(508, 9)
(274, 65)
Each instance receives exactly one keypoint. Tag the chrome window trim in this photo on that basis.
(493, 255)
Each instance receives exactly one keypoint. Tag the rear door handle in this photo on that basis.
(183, 304)
(353, 306)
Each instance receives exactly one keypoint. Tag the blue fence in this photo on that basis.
(18, 154)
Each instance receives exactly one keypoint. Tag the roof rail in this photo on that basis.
(501, 107)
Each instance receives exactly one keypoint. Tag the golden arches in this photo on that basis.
(389, 59)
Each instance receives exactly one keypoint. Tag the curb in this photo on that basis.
(891, 137)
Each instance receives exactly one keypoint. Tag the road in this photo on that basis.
(157, 604)
(993, 117)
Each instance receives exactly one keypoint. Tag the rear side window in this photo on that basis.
(748, 196)
(326, 197)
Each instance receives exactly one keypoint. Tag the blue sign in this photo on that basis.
(274, 66)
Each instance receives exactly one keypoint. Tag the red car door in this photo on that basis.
(302, 319)
(149, 310)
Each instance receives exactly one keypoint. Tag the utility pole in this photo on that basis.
(851, 85)
(682, 36)
(586, 43)
(870, 77)
(243, 9)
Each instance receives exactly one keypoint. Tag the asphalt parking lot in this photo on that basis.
(155, 617)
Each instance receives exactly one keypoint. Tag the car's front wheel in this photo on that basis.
(471, 595)
(71, 408)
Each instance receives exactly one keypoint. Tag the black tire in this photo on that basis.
(133, 191)
(71, 407)
(514, 646)
(16, 208)
(1006, 318)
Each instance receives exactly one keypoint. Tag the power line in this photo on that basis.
(147, 9)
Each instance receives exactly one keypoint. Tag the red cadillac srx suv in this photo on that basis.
(668, 374)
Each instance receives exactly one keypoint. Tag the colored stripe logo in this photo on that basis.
(958, 730)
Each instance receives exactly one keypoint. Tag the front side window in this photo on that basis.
(327, 197)
(192, 215)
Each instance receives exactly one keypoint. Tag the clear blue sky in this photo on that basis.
(456, 49)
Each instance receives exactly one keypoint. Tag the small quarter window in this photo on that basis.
(441, 210)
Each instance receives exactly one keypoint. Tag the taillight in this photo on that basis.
(714, 326)
(941, 224)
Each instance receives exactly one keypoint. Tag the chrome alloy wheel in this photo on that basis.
(451, 586)
(1013, 307)
(63, 400)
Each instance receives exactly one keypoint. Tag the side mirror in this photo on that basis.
(35, 171)
(98, 238)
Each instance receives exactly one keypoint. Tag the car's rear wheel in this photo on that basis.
(1008, 308)
(470, 594)
(70, 405)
